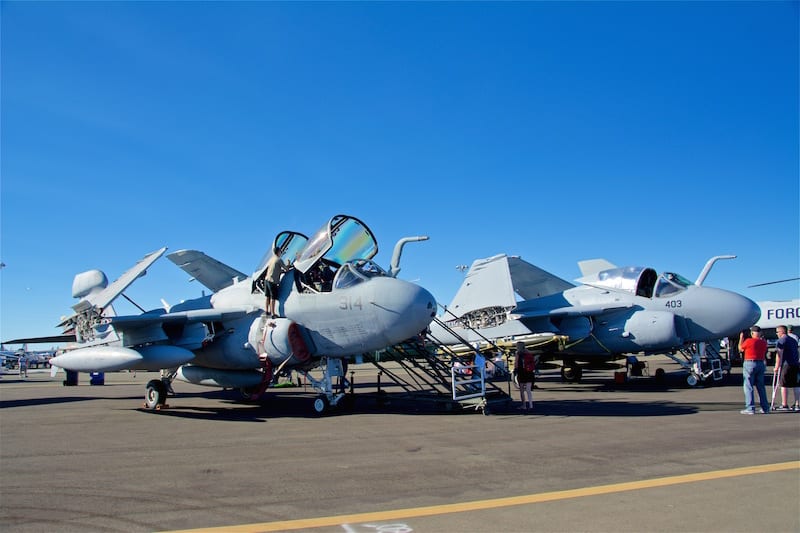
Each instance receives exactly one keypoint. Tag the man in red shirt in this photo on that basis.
(753, 369)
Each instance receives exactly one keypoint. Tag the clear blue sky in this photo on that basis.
(645, 133)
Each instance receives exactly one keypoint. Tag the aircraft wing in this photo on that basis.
(102, 298)
(532, 282)
(42, 340)
(495, 281)
(137, 330)
(207, 270)
(522, 311)
(181, 317)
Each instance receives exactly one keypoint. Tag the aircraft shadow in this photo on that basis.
(600, 409)
(43, 401)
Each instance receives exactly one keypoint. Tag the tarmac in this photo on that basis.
(597, 456)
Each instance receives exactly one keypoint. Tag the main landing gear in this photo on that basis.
(156, 390)
(571, 372)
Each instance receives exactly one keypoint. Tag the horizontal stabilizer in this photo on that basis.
(590, 267)
(207, 270)
(104, 297)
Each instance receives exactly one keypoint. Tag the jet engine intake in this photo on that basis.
(281, 339)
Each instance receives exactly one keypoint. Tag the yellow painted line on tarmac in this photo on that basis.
(414, 512)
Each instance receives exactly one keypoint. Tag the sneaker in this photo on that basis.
(796, 408)
(763, 412)
(747, 412)
(782, 408)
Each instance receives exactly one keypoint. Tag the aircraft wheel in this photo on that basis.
(571, 373)
(248, 393)
(320, 404)
(661, 375)
(691, 380)
(155, 394)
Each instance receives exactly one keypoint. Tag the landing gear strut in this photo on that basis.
(331, 368)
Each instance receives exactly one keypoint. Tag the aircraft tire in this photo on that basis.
(321, 404)
(155, 394)
(661, 376)
(573, 374)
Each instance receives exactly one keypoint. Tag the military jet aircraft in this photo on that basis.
(614, 311)
(227, 340)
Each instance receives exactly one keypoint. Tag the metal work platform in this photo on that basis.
(428, 371)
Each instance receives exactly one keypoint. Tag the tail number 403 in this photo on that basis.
(349, 304)
(674, 304)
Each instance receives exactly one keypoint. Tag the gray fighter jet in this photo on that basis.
(615, 311)
(334, 303)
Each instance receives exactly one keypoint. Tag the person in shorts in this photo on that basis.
(788, 362)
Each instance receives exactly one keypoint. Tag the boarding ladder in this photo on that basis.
(703, 361)
(427, 370)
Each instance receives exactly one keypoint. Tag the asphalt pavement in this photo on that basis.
(595, 456)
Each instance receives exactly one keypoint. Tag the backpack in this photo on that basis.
(528, 362)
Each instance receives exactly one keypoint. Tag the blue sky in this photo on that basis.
(646, 133)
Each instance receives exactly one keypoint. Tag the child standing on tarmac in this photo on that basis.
(525, 368)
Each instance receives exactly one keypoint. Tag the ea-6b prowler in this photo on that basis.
(614, 311)
(334, 303)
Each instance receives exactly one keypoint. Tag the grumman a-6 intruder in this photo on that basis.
(334, 303)
(615, 311)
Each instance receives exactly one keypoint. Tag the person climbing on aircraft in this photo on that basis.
(275, 267)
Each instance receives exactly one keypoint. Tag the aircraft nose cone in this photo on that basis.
(408, 308)
(739, 313)
(712, 314)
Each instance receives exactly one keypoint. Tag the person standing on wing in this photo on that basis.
(272, 279)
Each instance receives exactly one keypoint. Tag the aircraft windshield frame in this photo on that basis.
(351, 274)
(670, 283)
(290, 243)
(342, 240)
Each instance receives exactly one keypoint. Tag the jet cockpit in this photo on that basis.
(641, 281)
(338, 255)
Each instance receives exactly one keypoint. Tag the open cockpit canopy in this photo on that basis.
(288, 243)
(640, 281)
(342, 240)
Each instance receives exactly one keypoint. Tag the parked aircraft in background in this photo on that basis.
(34, 359)
(334, 303)
(775, 313)
(615, 311)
